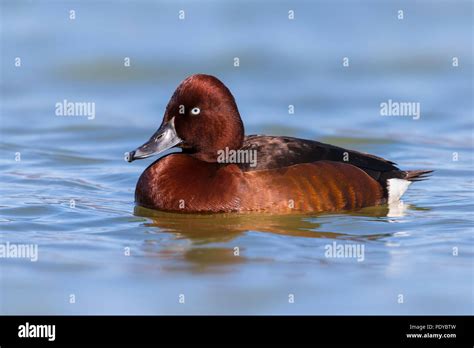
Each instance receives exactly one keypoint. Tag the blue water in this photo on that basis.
(82, 246)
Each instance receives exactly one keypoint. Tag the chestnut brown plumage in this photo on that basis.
(291, 175)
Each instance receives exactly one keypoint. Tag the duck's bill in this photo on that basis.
(165, 138)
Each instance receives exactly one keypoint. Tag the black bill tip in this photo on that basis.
(129, 156)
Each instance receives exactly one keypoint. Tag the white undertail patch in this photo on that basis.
(396, 188)
(397, 209)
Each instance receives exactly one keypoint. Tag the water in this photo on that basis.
(72, 193)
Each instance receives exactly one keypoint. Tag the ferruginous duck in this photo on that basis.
(220, 170)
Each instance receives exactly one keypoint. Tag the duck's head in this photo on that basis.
(201, 118)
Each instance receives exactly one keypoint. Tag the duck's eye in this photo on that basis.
(195, 111)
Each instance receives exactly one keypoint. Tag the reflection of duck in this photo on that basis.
(278, 174)
(217, 228)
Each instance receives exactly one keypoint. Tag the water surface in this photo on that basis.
(71, 192)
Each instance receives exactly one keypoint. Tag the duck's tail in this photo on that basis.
(417, 175)
(397, 186)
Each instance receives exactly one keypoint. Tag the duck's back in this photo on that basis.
(281, 151)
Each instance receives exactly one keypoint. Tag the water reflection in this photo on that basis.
(220, 228)
(203, 243)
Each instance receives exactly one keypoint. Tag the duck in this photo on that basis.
(221, 170)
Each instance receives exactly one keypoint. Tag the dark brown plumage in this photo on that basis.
(281, 151)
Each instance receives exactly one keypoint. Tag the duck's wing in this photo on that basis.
(280, 151)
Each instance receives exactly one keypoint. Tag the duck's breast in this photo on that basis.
(181, 183)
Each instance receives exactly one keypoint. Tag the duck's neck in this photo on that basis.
(214, 154)
(211, 157)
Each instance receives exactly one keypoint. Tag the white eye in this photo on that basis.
(195, 111)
